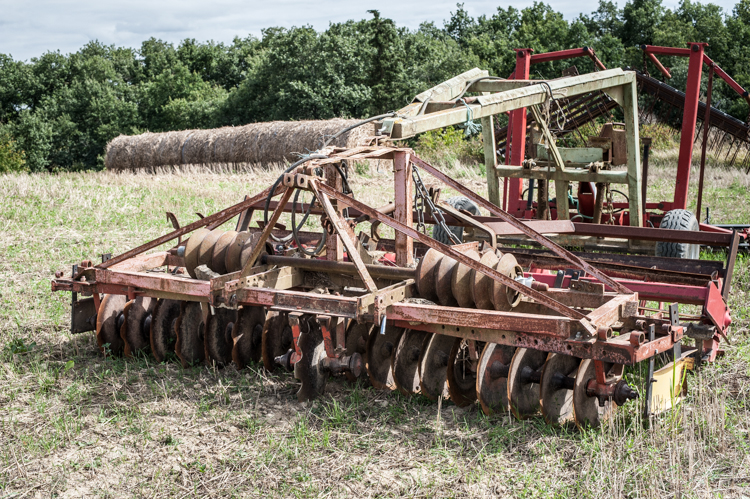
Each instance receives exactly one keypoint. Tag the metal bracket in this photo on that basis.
(376, 303)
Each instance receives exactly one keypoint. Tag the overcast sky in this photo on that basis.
(28, 28)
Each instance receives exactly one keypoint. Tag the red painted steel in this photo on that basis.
(568, 54)
(456, 255)
(689, 120)
(517, 144)
(652, 291)
(507, 217)
(659, 65)
(403, 213)
(715, 308)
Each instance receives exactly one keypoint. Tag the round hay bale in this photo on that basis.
(253, 145)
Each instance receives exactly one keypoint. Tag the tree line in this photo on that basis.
(57, 112)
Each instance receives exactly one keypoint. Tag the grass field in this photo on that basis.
(74, 424)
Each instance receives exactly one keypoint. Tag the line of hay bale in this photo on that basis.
(257, 145)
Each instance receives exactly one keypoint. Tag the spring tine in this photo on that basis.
(731, 144)
(739, 146)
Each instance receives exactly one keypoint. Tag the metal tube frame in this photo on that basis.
(552, 321)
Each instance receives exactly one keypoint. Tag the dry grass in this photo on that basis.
(74, 424)
(237, 148)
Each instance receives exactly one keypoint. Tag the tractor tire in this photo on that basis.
(458, 203)
(679, 220)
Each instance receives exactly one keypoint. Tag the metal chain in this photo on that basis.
(419, 208)
(610, 206)
(423, 195)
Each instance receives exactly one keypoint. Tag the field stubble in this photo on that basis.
(75, 424)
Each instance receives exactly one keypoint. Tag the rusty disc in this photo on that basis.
(481, 290)
(461, 281)
(192, 249)
(232, 257)
(443, 276)
(433, 366)
(218, 343)
(492, 383)
(524, 396)
(136, 329)
(557, 401)
(462, 373)
(309, 370)
(276, 338)
(380, 349)
(247, 336)
(123, 324)
(586, 410)
(107, 333)
(247, 250)
(218, 259)
(503, 297)
(163, 328)
(426, 274)
(206, 251)
(357, 337)
(405, 361)
(190, 329)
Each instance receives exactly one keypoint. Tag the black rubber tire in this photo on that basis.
(679, 220)
(459, 203)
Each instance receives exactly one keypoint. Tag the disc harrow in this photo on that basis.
(543, 334)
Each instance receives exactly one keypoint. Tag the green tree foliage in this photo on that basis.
(59, 111)
(11, 158)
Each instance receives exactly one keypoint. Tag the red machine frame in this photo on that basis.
(516, 145)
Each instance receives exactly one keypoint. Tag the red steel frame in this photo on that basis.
(516, 143)
(512, 200)
(697, 57)
(572, 332)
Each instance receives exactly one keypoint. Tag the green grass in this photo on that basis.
(75, 424)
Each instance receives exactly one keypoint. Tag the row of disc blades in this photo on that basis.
(193, 332)
(523, 381)
(443, 280)
(221, 251)
(501, 378)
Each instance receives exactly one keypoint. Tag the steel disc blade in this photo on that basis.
(308, 370)
(492, 382)
(247, 336)
(461, 281)
(190, 330)
(107, 333)
(462, 373)
(481, 289)
(380, 349)
(426, 274)
(433, 366)
(503, 297)
(124, 325)
(232, 257)
(163, 329)
(405, 363)
(218, 342)
(218, 259)
(556, 400)
(247, 250)
(277, 338)
(443, 277)
(135, 335)
(192, 249)
(357, 337)
(586, 410)
(524, 396)
(206, 251)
